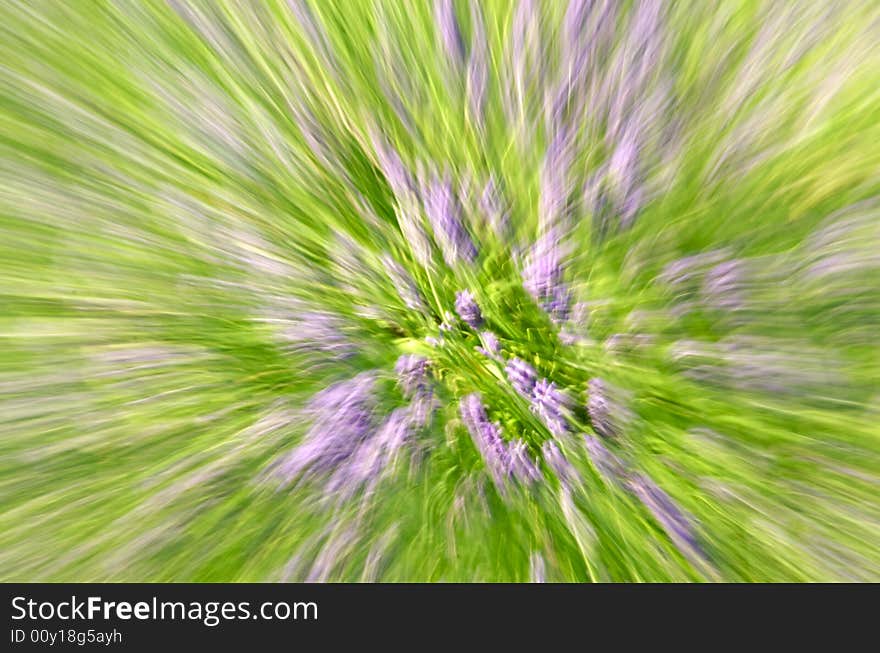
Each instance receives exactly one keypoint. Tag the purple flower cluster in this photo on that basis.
(393, 168)
(374, 456)
(604, 405)
(724, 284)
(413, 378)
(412, 374)
(504, 460)
(549, 403)
(551, 406)
(449, 31)
(444, 212)
(491, 345)
(522, 377)
(346, 442)
(342, 418)
(543, 278)
(468, 309)
(677, 525)
(316, 331)
(610, 466)
(564, 470)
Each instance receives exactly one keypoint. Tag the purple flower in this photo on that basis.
(392, 166)
(342, 418)
(486, 436)
(723, 286)
(520, 464)
(413, 379)
(543, 279)
(522, 377)
(555, 184)
(450, 31)
(478, 66)
(609, 465)
(491, 346)
(374, 456)
(317, 331)
(607, 414)
(685, 271)
(624, 176)
(550, 405)
(676, 524)
(563, 469)
(468, 309)
(422, 407)
(444, 213)
(412, 374)
(504, 460)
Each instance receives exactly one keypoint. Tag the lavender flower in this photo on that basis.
(450, 31)
(550, 405)
(392, 167)
(520, 463)
(623, 174)
(422, 407)
(317, 331)
(486, 436)
(723, 286)
(609, 465)
(468, 309)
(491, 346)
(607, 414)
(555, 184)
(564, 470)
(478, 66)
(522, 377)
(342, 418)
(676, 524)
(504, 460)
(444, 213)
(542, 279)
(413, 379)
(412, 374)
(373, 457)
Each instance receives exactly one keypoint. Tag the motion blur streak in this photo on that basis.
(513, 290)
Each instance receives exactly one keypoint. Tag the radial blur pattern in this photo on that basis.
(461, 290)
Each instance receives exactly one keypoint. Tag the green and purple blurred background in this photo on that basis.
(439, 291)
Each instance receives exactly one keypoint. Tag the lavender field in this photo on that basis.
(465, 291)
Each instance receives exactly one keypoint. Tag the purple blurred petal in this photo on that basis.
(468, 309)
(522, 377)
(445, 215)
